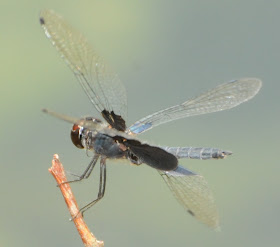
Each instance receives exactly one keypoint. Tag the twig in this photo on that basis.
(58, 173)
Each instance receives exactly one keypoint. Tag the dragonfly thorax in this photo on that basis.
(92, 134)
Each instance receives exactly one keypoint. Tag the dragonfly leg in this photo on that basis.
(86, 173)
(102, 185)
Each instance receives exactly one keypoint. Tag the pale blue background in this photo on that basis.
(165, 53)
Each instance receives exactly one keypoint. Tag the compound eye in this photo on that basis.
(76, 136)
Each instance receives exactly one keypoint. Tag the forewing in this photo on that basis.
(84, 122)
(192, 192)
(102, 86)
(221, 98)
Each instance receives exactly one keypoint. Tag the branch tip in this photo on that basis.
(58, 173)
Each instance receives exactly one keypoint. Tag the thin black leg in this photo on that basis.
(102, 185)
(88, 170)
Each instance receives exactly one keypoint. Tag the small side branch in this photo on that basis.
(58, 173)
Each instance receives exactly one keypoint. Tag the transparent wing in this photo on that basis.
(102, 86)
(85, 122)
(192, 192)
(223, 97)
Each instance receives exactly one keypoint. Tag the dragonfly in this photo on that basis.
(113, 139)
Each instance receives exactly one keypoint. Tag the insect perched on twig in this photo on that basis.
(114, 140)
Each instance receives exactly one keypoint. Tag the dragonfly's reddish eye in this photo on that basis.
(76, 136)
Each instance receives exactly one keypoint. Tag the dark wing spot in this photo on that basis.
(152, 156)
(42, 21)
(191, 212)
(114, 120)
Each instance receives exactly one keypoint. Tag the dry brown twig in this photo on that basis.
(58, 173)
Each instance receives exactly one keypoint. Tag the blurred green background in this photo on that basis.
(165, 52)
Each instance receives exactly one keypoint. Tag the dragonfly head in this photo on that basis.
(76, 135)
(80, 131)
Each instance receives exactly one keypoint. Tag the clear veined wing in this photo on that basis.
(223, 97)
(192, 192)
(102, 86)
(87, 122)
